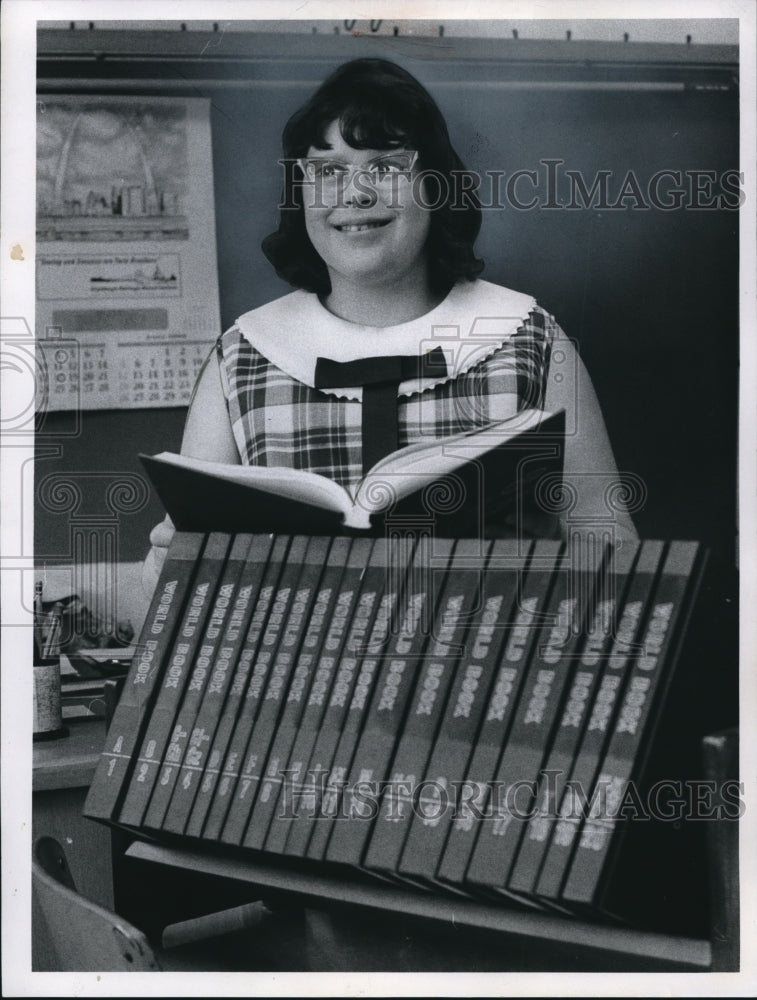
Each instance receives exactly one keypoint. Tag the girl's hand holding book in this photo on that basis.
(160, 539)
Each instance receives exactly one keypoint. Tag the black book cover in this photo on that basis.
(331, 760)
(573, 722)
(133, 710)
(254, 669)
(624, 647)
(528, 617)
(484, 660)
(250, 587)
(642, 842)
(279, 644)
(330, 689)
(174, 679)
(212, 706)
(391, 697)
(309, 686)
(407, 793)
(553, 663)
(180, 741)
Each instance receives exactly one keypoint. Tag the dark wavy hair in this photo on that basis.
(378, 105)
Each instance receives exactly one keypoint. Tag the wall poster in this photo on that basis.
(126, 283)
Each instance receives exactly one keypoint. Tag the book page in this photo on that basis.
(411, 468)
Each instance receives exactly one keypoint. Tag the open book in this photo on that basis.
(457, 483)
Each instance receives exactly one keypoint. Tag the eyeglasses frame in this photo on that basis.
(353, 168)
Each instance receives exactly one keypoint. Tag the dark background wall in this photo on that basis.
(650, 296)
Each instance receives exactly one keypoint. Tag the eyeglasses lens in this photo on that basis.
(380, 170)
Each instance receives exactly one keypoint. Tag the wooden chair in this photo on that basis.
(73, 934)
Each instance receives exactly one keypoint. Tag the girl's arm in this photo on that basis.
(207, 431)
(207, 435)
(589, 462)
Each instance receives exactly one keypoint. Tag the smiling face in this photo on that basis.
(365, 233)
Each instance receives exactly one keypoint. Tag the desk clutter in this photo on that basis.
(468, 718)
(81, 652)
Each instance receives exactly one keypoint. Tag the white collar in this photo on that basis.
(473, 321)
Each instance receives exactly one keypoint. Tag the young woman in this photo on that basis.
(376, 234)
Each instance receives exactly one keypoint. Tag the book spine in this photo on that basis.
(280, 645)
(388, 707)
(202, 666)
(625, 641)
(633, 725)
(473, 681)
(404, 794)
(248, 548)
(132, 713)
(239, 622)
(330, 689)
(172, 689)
(574, 719)
(311, 679)
(550, 671)
(515, 654)
(332, 755)
(256, 669)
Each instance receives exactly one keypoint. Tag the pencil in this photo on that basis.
(52, 639)
(39, 637)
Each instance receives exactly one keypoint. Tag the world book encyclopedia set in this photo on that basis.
(486, 718)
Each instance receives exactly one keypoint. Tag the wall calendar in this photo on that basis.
(126, 282)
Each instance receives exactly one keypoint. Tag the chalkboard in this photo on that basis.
(650, 293)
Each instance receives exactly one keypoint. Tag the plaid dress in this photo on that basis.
(277, 420)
